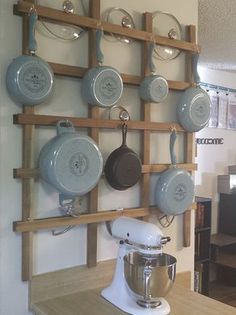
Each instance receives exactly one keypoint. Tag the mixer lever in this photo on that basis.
(165, 239)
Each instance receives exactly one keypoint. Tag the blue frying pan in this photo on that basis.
(29, 79)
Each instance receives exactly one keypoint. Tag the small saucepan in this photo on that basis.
(153, 88)
(123, 167)
(71, 163)
(174, 190)
(29, 79)
(101, 85)
(193, 109)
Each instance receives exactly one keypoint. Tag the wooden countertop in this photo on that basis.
(182, 302)
(76, 291)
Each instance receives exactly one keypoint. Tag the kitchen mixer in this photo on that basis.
(143, 274)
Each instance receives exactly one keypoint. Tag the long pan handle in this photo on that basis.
(151, 64)
(32, 44)
(196, 76)
(173, 137)
(99, 54)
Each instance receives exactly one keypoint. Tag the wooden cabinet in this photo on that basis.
(202, 245)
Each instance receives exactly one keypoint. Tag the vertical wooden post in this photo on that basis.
(190, 146)
(146, 114)
(94, 113)
(27, 185)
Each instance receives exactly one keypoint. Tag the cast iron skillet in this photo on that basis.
(175, 187)
(193, 110)
(29, 79)
(123, 167)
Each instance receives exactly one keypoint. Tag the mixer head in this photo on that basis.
(141, 234)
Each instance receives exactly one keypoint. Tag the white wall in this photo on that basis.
(51, 253)
(213, 160)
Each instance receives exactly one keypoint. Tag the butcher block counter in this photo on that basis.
(76, 291)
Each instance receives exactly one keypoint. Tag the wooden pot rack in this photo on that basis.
(28, 119)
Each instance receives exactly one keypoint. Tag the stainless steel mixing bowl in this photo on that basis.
(149, 276)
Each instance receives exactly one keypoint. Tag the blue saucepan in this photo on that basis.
(154, 87)
(29, 79)
(101, 85)
(174, 190)
(193, 109)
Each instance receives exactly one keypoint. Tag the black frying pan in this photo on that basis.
(123, 167)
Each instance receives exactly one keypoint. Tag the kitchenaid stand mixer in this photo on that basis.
(143, 274)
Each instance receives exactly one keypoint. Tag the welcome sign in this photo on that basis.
(214, 141)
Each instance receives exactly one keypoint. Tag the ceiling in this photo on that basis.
(217, 34)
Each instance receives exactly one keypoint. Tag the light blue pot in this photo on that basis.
(71, 163)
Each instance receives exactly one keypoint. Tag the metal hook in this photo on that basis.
(123, 114)
(32, 9)
(68, 209)
(173, 128)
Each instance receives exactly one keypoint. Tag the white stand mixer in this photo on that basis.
(135, 284)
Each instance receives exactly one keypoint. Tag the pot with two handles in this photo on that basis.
(101, 85)
(29, 79)
(193, 109)
(70, 162)
(174, 190)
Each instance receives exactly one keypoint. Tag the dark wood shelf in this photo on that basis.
(202, 243)
(202, 229)
(226, 260)
(222, 240)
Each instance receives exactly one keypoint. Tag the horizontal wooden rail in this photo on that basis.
(78, 72)
(33, 225)
(87, 22)
(152, 168)
(51, 120)
(55, 222)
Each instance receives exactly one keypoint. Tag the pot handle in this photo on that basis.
(196, 76)
(173, 137)
(32, 44)
(99, 54)
(151, 64)
(65, 126)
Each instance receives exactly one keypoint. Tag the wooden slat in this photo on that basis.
(94, 113)
(78, 72)
(88, 218)
(88, 22)
(49, 120)
(101, 216)
(149, 168)
(190, 141)
(146, 116)
(27, 157)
